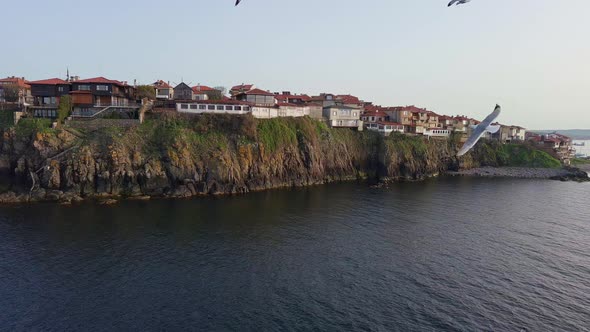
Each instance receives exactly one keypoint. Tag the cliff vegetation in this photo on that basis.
(180, 156)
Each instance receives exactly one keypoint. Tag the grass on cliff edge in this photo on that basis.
(514, 155)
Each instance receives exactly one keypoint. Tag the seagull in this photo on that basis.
(238, 2)
(480, 129)
(458, 2)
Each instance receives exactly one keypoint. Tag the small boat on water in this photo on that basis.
(580, 143)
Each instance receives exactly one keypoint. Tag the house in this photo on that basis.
(403, 116)
(46, 96)
(329, 99)
(164, 91)
(183, 92)
(214, 106)
(343, 117)
(202, 92)
(235, 90)
(385, 128)
(508, 134)
(24, 89)
(287, 97)
(324, 99)
(257, 97)
(374, 116)
(97, 95)
(293, 110)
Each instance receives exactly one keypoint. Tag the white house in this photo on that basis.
(385, 128)
(214, 106)
(436, 132)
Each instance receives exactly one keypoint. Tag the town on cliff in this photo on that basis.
(99, 98)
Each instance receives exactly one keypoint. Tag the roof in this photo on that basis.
(159, 84)
(201, 88)
(51, 81)
(258, 92)
(100, 80)
(242, 87)
(349, 99)
(20, 81)
(374, 113)
(286, 97)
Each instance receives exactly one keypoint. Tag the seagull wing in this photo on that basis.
(479, 131)
(238, 2)
(452, 3)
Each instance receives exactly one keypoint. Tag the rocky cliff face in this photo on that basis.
(183, 157)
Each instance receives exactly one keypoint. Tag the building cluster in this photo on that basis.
(559, 146)
(99, 96)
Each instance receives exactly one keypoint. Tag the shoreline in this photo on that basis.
(563, 174)
(11, 198)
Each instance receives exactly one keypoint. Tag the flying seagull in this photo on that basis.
(480, 129)
(238, 2)
(458, 2)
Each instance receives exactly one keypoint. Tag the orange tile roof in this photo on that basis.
(51, 81)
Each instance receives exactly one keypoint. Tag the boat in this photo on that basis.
(580, 143)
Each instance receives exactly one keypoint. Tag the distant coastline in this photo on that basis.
(576, 134)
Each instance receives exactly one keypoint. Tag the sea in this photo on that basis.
(447, 254)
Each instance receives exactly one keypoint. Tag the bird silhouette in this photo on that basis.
(457, 2)
(238, 2)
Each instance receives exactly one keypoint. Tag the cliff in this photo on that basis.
(181, 157)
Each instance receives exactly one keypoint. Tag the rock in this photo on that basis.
(109, 202)
(53, 195)
(140, 198)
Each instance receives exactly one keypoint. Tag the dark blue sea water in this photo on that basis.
(455, 254)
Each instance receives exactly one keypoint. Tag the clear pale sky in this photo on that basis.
(530, 56)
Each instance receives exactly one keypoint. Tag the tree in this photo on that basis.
(146, 91)
(64, 108)
(11, 92)
(217, 94)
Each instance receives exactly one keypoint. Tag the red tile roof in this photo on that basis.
(100, 80)
(19, 81)
(348, 99)
(286, 97)
(201, 88)
(161, 85)
(51, 81)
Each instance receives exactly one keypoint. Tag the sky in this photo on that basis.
(530, 56)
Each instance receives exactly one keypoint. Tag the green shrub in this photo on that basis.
(27, 127)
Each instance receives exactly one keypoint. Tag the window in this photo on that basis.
(211, 107)
(84, 87)
(246, 108)
(102, 88)
(229, 108)
(184, 106)
(335, 113)
(60, 88)
(238, 108)
(202, 107)
(194, 106)
(220, 107)
(354, 114)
